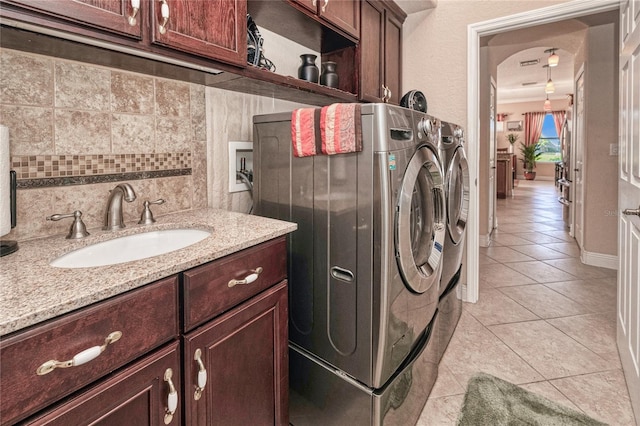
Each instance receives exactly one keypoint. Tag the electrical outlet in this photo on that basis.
(240, 157)
(613, 149)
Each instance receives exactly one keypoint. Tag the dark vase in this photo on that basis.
(329, 76)
(308, 70)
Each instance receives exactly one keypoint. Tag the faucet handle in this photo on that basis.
(78, 229)
(146, 218)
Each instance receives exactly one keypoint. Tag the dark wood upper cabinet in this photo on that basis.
(380, 51)
(344, 14)
(214, 29)
(115, 16)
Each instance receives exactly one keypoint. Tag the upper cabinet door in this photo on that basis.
(116, 16)
(372, 52)
(345, 14)
(393, 58)
(215, 29)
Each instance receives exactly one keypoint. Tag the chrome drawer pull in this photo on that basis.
(202, 375)
(172, 399)
(632, 212)
(248, 279)
(80, 358)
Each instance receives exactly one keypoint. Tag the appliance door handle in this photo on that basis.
(342, 274)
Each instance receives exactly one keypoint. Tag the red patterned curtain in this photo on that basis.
(558, 119)
(533, 126)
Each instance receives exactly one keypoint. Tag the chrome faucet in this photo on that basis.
(113, 219)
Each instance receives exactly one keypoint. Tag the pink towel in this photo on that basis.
(304, 128)
(341, 128)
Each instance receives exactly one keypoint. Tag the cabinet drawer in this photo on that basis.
(206, 288)
(137, 395)
(146, 317)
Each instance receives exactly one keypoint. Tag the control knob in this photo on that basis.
(425, 125)
(458, 132)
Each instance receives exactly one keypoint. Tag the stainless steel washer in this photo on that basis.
(457, 195)
(364, 265)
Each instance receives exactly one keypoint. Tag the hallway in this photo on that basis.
(544, 320)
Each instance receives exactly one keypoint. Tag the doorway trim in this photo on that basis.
(560, 12)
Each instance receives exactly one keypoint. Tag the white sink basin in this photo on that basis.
(130, 248)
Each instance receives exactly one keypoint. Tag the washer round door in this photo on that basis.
(420, 222)
(457, 188)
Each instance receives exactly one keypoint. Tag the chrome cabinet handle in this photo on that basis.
(384, 93)
(135, 5)
(324, 6)
(248, 279)
(202, 374)
(164, 12)
(632, 212)
(80, 358)
(172, 398)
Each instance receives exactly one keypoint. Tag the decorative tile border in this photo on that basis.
(50, 167)
(86, 180)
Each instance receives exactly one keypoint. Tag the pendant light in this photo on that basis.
(550, 87)
(553, 59)
(547, 105)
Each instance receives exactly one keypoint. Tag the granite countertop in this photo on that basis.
(32, 291)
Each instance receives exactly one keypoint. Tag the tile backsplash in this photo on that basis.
(77, 129)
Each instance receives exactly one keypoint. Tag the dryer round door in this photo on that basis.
(420, 222)
(457, 189)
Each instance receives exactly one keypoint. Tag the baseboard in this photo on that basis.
(598, 259)
(484, 240)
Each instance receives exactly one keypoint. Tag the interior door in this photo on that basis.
(629, 202)
(492, 158)
(578, 161)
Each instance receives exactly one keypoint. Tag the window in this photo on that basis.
(549, 141)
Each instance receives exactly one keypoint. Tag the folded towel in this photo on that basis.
(341, 128)
(304, 130)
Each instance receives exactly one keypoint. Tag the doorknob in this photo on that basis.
(632, 212)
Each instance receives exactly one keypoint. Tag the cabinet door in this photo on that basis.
(244, 353)
(344, 14)
(109, 15)
(215, 29)
(138, 395)
(392, 57)
(371, 52)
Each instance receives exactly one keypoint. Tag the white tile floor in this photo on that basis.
(544, 320)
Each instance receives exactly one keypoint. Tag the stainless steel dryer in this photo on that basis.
(457, 201)
(364, 265)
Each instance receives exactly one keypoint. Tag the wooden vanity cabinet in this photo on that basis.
(381, 51)
(237, 337)
(245, 355)
(227, 318)
(146, 318)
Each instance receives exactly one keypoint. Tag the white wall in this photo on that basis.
(435, 50)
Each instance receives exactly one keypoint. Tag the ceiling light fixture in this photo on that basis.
(547, 105)
(549, 87)
(553, 59)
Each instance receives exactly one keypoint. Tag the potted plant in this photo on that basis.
(530, 154)
(512, 138)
